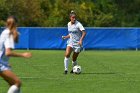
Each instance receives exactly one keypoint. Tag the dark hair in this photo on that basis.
(72, 13)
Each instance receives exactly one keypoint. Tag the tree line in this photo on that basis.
(55, 13)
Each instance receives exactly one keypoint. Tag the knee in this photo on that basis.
(67, 55)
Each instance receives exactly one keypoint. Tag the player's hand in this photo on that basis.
(80, 42)
(63, 37)
(10, 65)
(27, 54)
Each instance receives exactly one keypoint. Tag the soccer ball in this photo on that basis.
(77, 69)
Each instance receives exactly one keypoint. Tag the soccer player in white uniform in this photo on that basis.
(7, 39)
(74, 43)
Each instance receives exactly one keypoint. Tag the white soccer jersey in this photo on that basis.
(6, 41)
(75, 32)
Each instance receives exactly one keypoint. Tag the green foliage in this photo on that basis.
(3, 10)
(55, 13)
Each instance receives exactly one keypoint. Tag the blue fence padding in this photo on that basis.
(138, 38)
(96, 38)
(111, 38)
(48, 38)
(23, 38)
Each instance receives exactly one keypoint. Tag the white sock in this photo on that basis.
(66, 62)
(74, 63)
(13, 89)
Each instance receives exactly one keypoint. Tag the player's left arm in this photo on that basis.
(82, 37)
(82, 29)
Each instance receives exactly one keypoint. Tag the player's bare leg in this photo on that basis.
(13, 81)
(74, 58)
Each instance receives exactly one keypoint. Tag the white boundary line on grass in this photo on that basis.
(30, 77)
(79, 79)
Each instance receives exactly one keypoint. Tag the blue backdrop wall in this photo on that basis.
(96, 38)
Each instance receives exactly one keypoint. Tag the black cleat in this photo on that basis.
(71, 72)
(66, 72)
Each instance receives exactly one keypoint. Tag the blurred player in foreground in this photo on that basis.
(74, 43)
(8, 38)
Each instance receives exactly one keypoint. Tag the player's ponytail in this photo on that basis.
(11, 24)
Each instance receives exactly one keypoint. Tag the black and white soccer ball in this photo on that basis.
(77, 69)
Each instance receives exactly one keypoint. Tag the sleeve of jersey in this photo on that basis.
(81, 27)
(9, 42)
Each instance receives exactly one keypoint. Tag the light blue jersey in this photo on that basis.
(6, 41)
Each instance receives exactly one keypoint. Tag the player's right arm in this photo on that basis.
(68, 36)
(65, 37)
(10, 53)
(9, 45)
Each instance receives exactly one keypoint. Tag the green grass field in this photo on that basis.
(102, 72)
